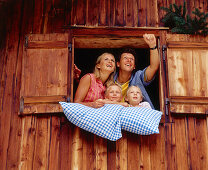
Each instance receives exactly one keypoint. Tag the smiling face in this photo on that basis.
(134, 95)
(127, 62)
(114, 93)
(106, 63)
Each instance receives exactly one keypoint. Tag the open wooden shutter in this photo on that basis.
(44, 73)
(187, 59)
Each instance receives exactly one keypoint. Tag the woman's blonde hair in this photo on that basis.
(97, 70)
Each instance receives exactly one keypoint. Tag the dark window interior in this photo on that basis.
(85, 60)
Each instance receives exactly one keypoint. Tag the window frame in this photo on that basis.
(79, 34)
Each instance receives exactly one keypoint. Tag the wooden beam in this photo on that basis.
(108, 42)
(189, 100)
(115, 31)
(44, 99)
(46, 44)
(183, 44)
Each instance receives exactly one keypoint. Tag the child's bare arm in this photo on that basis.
(107, 101)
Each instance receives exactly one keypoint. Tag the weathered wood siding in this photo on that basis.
(50, 142)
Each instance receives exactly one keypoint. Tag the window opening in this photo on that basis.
(85, 60)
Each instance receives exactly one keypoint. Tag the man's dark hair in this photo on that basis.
(128, 50)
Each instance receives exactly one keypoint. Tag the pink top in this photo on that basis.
(96, 90)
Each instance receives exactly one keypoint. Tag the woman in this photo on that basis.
(92, 86)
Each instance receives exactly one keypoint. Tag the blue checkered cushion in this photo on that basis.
(108, 120)
(140, 120)
(104, 121)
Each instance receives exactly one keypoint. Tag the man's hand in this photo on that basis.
(150, 40)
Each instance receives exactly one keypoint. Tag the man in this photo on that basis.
(126, 64)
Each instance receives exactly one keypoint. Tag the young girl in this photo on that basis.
(92, 86)
(134, 97)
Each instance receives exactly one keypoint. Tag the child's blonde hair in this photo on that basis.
(137, 88)
(112, 84)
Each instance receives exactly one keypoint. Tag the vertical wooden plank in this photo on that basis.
(68, 12)
(181, 144)
(65, 147)
(59, 19)
(177, 61)
(145, 152)
(13, 160)
(190, 7)
(3, 34)
(111, 155)
(47, 18)
(179, 3)
(129, 15)
(77, 150)
(41, 144)
(101, 153)
(9, 132)
(136, 13)
(81, 12)
(120, 13)
(121, 152)
(202, 142)
(170, 149)
(152, 13)
(103, 13)
(193, 153)
(142, 13)
(38, 19)
(199, 4)
(73, 12)
(89, 150)
(161, 13)
(27, 142)
(157, 150)
(200, 73)
(92, 13)
(112, 12)
(28, 124)
(53, 162)
(133, 147)
(205, 6)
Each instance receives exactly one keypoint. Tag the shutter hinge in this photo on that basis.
(26, 42)
(167, 102)
(68, 100)
(164, 48)
(70, 47)
(21, 105)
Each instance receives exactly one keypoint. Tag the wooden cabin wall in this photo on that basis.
(50, 142)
